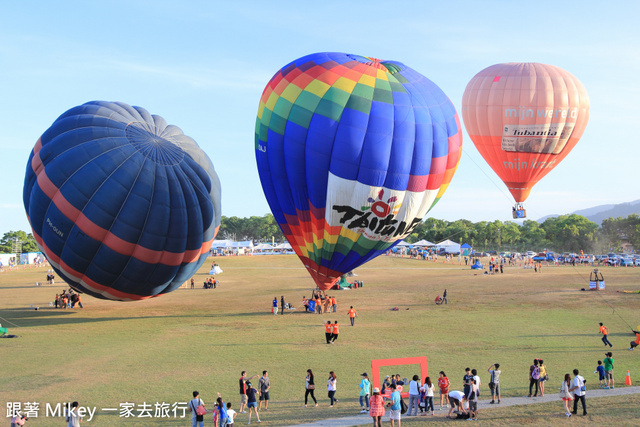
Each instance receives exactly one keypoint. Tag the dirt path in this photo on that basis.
(484, 405)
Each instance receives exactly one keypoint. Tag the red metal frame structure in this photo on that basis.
(376, 364)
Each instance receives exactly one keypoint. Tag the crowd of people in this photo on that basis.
(67, 299)
(251, 400)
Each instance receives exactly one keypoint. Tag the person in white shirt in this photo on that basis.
(428, 389)
(456, 401)
(579, 391)
(231, 414)
(414, 395)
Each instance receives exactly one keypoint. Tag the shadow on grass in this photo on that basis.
(26, 317)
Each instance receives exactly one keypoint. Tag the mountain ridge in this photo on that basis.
(601, 212)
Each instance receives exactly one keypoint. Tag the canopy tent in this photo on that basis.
(465, 249)
(263, 247)
(403, 244)
(423, 243)
(448, 246)
(284, 246)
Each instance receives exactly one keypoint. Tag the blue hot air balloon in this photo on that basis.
(352, 153)
(123, 205)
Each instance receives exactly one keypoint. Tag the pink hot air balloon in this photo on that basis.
(524, 118)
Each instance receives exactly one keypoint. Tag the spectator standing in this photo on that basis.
(221, 407)
(466, 381)
(305, 303)
(264, 385)
(579, 392)
(444, 297)
(495, 380)
(414, 396)
(251, 401)
(275, 305)
(605, 335)
(534, 375)
(334, 304)
(309, 387)
(608, 370)
(472, 398)
(196, 420)
(543, 376)
(365, 388)
(428, 389)
(601, 375)
(331, 388)
(565, 395)
(231, 415)
(352, 315)
(243, 390)
(476, 378)
(282, 305)
(443, 386)
(377, 408)
(394, 406)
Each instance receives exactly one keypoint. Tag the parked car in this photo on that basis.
(626, 262)
(637, 262)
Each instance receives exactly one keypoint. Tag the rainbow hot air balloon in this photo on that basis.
(352, 153)
(123, 205)
(524, 118)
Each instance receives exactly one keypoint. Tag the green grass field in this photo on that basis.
(160, 350)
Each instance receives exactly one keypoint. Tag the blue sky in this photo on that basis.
(202, 65)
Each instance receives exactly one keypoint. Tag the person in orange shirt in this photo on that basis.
(333, 303)
(318, 305)
(328, 331)
(352, 315)
(605, 331)
(634, 344)
(335, 332)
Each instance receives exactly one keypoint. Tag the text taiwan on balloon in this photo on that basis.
(352, 153)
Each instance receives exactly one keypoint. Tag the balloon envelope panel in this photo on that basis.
(524, 118)
(123, 205)
(352, 153)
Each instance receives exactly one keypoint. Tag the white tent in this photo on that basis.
(423, 243)
(285, 246)
(448, 246)
(263, 247)
(403, 244)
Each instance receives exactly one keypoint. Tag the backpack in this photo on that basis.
(536, 373)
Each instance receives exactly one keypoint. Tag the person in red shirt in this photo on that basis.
(352, 315)
(443, 385)
(335, 332)
(328, 331)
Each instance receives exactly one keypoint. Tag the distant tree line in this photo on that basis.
(565, 233)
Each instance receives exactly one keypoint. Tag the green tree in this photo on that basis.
(571, 233)
(7, 243)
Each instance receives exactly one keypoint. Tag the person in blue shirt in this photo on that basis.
(600, 371)
(222, 411)
(365, 388)
(394, 405)
(275, 305)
